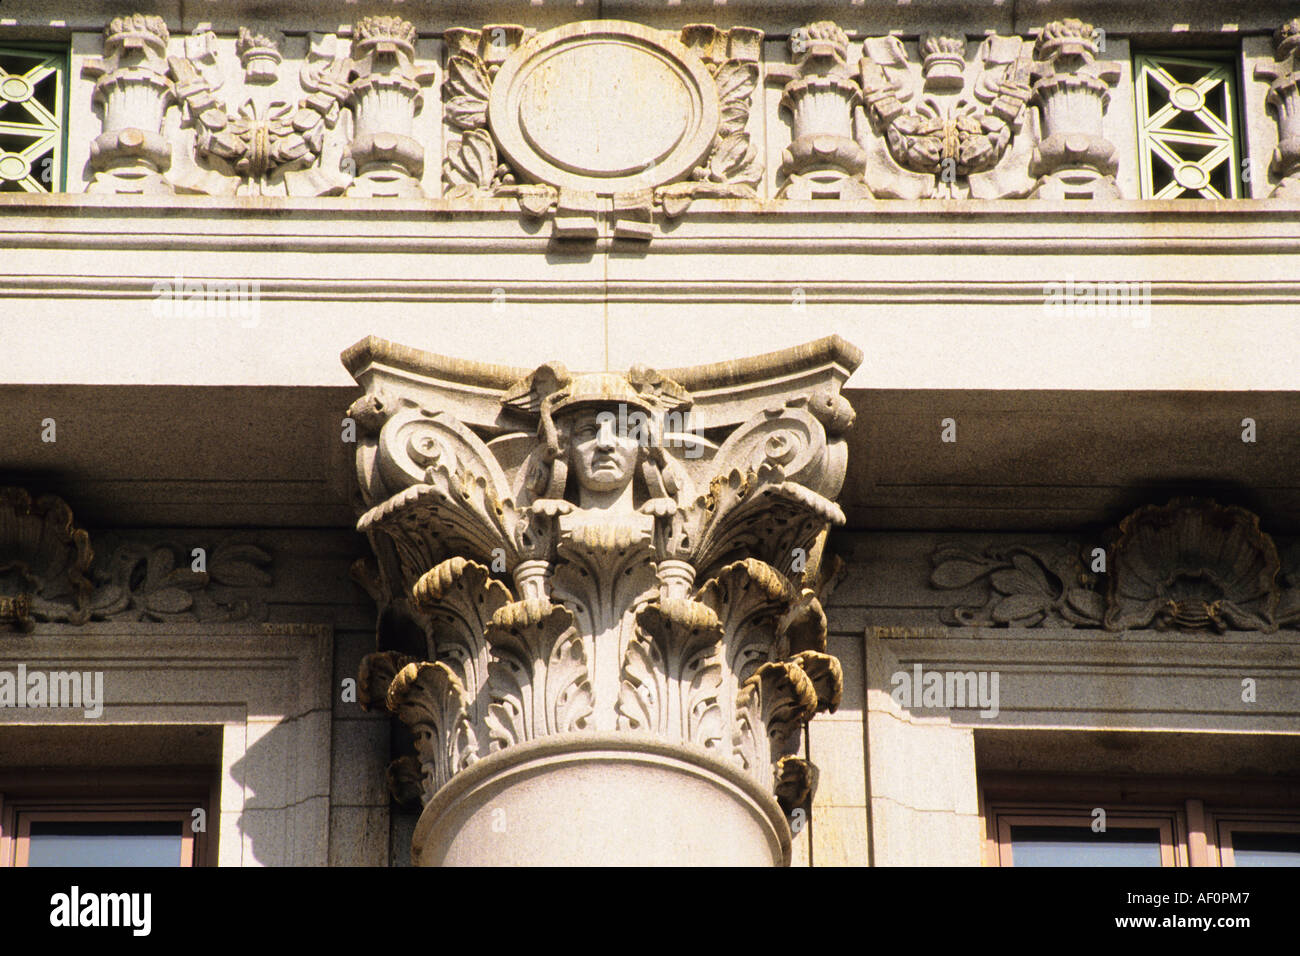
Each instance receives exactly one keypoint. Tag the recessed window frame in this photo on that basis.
(1168, 821)
(1198, 807)
(1225, 823)
(134, 794)
(94, 813)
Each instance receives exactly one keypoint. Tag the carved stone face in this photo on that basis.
(602, 458)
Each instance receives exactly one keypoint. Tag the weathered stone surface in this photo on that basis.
(564, 553)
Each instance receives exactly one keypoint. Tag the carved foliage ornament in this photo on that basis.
(276, 141)
(598, 109)
(947, 122)
(1188, 565)
(559, 552)
(46, 573)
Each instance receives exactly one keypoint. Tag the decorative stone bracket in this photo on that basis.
(630, 556)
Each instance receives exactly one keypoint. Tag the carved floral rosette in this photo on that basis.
(517, 604)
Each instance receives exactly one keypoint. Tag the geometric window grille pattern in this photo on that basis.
(1187, 121)
(31, 133)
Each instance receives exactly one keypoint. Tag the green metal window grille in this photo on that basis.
(32, 93)
(1187, 127)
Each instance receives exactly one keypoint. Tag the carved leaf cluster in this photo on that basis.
(1027, 587)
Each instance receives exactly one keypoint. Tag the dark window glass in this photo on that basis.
(1079, 846)
(56, 843)
(1265, 849)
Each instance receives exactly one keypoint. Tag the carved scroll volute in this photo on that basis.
(134, 89)
(776, 476)
(567, 488)
(1073, 158)
(452, 484)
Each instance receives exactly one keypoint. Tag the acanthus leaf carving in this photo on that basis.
(49, 572)
(429, 699)
(541, 684)
(544, 531)
(733, 168)
(472, 166)
(1027, 586)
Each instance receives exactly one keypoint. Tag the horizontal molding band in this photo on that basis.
(1117, 16)
(737, 291)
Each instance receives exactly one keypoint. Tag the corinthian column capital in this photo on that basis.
(606, 583)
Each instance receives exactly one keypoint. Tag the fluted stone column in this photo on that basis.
(599, 612)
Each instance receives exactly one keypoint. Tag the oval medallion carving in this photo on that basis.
(604, 106)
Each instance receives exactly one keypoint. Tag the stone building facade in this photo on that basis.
(765, 433)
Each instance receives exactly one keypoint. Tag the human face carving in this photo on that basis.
(602, 457)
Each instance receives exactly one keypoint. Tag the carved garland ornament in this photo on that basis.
(558, 553)
(612, 118)
(284, 138)
(948, 130)
(1188, 565)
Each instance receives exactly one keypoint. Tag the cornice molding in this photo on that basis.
(1244, 16)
